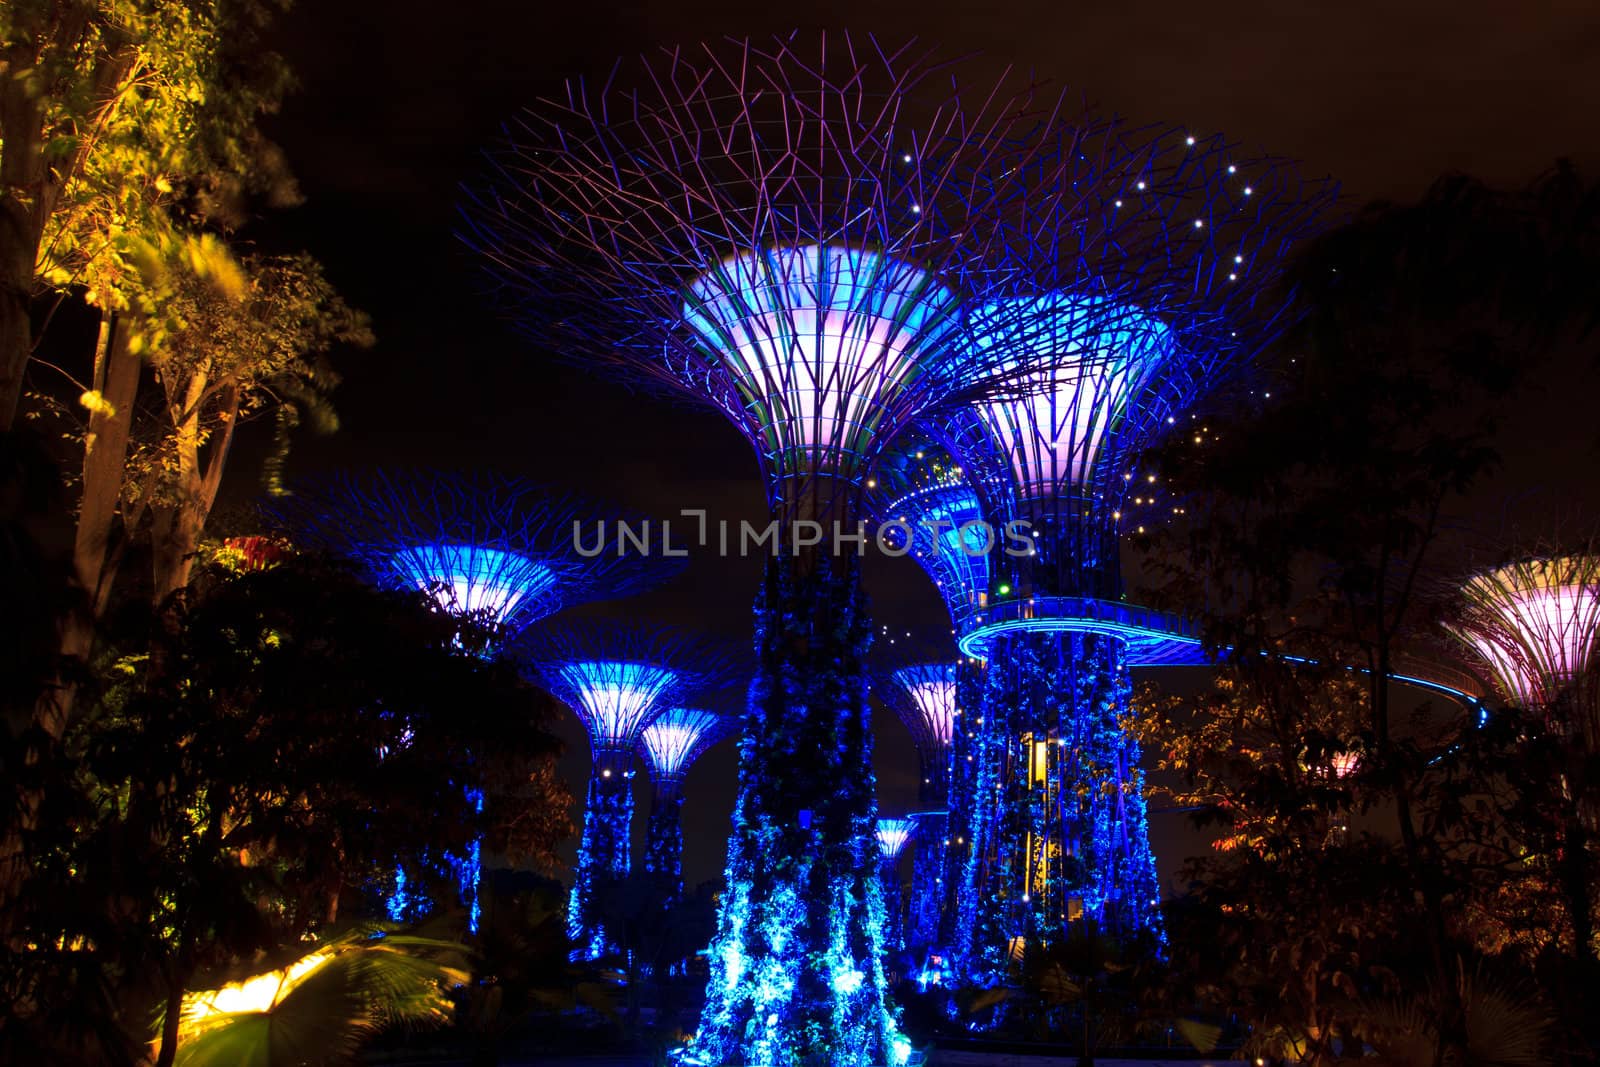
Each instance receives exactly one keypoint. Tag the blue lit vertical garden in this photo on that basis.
(617, 678)
(671, 743)
(1157, 284)
(805, 277)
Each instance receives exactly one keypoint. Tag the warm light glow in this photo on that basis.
(893, 835)
(673, 740)
(818, 340)
(256, 994)
(470, 579)
(615, 699)
(932, 689)
(1103, 355)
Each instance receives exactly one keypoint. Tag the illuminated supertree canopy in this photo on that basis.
(1534, 624)
(1158, 285)
(617, 679)
(893, 835)
(787, 232)
(928, 507)
(498, 549)
(671, 743)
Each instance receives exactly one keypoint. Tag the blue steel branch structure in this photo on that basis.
(670, 744)
(788, 232)
(498, 553)
(1158, 284)
(616, 678)
(893, 835)
(923, 695)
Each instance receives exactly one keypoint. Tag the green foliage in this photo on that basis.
(251, 758)
(356, 986)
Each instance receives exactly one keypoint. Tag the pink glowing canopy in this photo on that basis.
(817, 342)
(1534, 623)
(931, 689)
(1098, 355)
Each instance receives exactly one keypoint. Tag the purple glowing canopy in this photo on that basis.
(1102, 358)
(927, 702)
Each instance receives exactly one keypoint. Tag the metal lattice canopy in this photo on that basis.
(789, 230)
(923, 695)
(893, 835)
(618, 677)
(679, 736)
(931, 507)
(1534, 624)
(1161, 280)
(503, 550)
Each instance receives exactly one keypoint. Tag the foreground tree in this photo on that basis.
(112, 113)
(260, 756)
(1319, 526)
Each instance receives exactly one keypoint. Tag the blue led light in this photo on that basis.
(614, 698)
(1152, 638)
(476, 580)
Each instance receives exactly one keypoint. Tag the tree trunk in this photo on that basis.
(179, 524)
(21, 185)
(105, 457)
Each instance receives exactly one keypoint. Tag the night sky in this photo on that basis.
(398, 99)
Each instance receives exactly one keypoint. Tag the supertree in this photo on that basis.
(616, 678)
(500, 553)
(784, 232)
(671, 743)
(893, 836)
(1534, 624)
(1158, 284)
(923, 695)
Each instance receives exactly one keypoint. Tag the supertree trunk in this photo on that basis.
(796, 966)
(981, 926)
(894, 939)
(927, 882)
(1066, 837)
(602, 859)
(663, 855)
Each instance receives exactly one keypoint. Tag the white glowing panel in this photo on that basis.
(673, 740)
(818, 340)
(1101, 357)
(615, 699)
(468, 579)
(893, 835)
